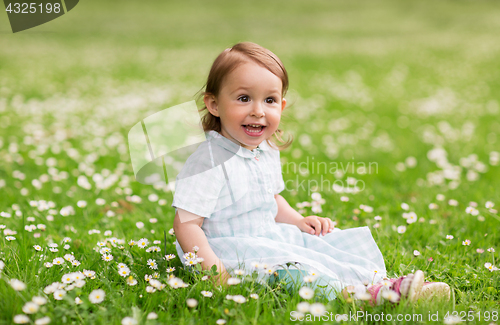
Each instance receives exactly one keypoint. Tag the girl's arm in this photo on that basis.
(190, 234)
(313, 225)
(286, 214)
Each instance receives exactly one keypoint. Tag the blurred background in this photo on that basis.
(409, 89)
(409, 85)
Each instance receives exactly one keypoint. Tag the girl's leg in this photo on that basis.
(408, 287)
(411, 287)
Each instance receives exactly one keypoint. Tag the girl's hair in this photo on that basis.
(226, 62)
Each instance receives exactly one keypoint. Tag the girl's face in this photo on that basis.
(249, 105)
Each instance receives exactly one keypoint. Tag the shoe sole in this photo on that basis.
(435, 291)
(416, 286)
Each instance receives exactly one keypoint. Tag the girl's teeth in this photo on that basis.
(254, 129)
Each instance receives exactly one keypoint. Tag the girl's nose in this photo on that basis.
(257, 110)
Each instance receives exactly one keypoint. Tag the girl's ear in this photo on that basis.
(283, 104)
(211, 104)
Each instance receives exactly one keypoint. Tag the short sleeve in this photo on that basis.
(199, 193)
(279, 183)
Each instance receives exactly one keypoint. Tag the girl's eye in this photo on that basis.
(272, 100)
(243, 98)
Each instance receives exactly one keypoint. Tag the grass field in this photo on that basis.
(410, 89)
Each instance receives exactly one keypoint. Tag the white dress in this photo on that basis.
(236, 198)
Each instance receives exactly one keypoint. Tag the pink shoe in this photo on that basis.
(435, 291)
(406, 286)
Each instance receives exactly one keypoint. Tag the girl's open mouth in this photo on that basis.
(253, 130)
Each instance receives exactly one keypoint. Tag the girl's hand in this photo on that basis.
(315, 225)
(221, 279)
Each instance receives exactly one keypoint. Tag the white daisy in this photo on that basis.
(107, 257)
(255, 265)
(191, 262)
(43, 321)
(233, 281)
(152, 264)
(59, 294)
(129, 321)
(239, 299)
(125, 271)
(17, 285)
(30, 307)
(169, 257)
(303, 307)
(39, 300)
(131, 281)
(192, 302)
(390, 295)
(79, 283)
(317, 309)
(411, 217)
(81, 204)
(50, 288)
(490, 267)
(97, 296)
(176, 283)
(21, 319)
(68, 278)
(306, 292)
(105, 250)
(433, 206)
(88, 274)
(142, 243)
(58, 261)
(309, 278)
(452, 319)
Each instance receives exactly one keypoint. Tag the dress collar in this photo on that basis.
(233, 147)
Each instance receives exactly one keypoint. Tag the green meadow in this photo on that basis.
(394, 108)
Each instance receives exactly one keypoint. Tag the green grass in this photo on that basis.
(370, 81)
